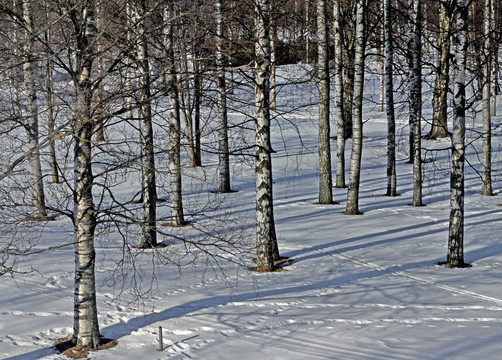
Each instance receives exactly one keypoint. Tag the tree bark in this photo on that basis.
(49, 85)
(389, 97)
(223, 151)
(455, 256)
(266, 242)
(340, 139)
(34, 165)
(439, 127)
(357, 138)
(325, 180)
(416, 99)
(148, 186)
(486, 173)
(175, 191)
(85, 328)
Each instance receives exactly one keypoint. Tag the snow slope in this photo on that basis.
(360, 287)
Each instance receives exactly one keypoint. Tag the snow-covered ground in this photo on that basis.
(360, 287)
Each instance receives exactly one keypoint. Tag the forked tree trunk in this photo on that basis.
(340, 132)
(325, 180)
(266, 242)
(455, 256)
(486, 173)
(439, 127)
(148, 183)
(223, 153)
(389, 96)
(175, 191)
(357, 138)
(85, 327)
(416, 99)
(34, 165)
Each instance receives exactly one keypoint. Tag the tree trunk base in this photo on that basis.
(453, 266)
(67, 347)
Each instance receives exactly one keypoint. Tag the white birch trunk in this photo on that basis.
(175, 191)
(85, 327)
(416, 100)
(439, 127)
(49, 87)
(34, 165)
(389, 96)
(455, 256)
(223, 150)
(266, 242)
(486, 173)
(325, 179)
(357, 123)
(148, 186)
(340, 139)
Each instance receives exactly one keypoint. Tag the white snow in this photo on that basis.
(360, 287)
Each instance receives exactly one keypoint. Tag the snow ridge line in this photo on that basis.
(419, 280)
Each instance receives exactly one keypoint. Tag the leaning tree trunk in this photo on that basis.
(35, 167)
(357, 137)
(486, 173)
(325, 181)
(223, 152)
(175, 191)
(85, 327)
(416, 100)
(389, 96)
(340, 140)
(439, 127)
(266, 242)
(148, 186)
(455, 256)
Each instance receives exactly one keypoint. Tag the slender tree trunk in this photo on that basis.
(35, 167)
(187, 104)
(325, 180)
(100, 128)
(439, 127)
(175, 191)
(416, 100)
(486, 173)
(340, 140)
(455, 256)
(409, 45)
(389, 96)
(197, 94)
(273, 60)
(223, 152)
(357, 138)
(266, 242)
(307, 32)
(85, 328)
(49, 85)
(148, 187)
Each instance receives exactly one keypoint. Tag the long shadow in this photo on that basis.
(385, 233)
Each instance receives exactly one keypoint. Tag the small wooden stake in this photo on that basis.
(161, 343)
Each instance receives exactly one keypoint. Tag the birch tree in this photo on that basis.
(148, 190)
(357, 122)
(455, 255)
(325, 181)
(340, 138)
(389, 97)
(85, 329)
(415, 43)
(439, 127)
(39, 210)
(486, 173)
(175, 189)
(223, 152)
(266, 242)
